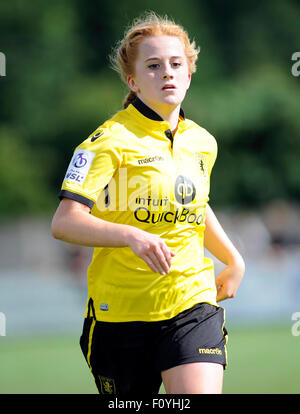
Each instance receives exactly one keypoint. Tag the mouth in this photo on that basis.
(168, 87)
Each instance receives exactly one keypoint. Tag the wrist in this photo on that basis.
(130, 233)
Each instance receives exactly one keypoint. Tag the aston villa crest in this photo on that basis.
(107, 385)
(202, 164)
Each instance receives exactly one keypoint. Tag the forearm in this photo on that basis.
(72, 223)
(217, 241)
(80, 227)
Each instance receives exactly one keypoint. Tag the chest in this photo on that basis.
(164, 172)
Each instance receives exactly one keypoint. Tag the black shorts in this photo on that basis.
(128, 357)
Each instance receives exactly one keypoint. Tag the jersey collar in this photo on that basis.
(148, 112)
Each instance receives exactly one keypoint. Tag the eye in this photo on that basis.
(153, 66)
(176, 64)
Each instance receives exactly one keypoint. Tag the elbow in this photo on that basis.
(56, 229)
(242, 265)
(55, 232)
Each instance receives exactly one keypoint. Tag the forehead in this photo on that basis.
(161, 46)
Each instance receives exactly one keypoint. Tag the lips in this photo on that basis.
(168, 87)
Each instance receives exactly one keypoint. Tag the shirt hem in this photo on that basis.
(161, 316)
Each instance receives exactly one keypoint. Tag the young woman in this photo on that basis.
(152, 313)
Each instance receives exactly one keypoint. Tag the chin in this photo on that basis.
(172, 100)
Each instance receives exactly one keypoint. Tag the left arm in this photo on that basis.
(218, 243)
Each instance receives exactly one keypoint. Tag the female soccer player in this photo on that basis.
(152, 312)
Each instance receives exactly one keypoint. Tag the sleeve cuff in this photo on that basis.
(76, 197)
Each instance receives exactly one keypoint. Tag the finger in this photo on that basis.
(163, 258)
(151, 264)
(221, 293)
(219, 298)
(157, 258)
(167, 253)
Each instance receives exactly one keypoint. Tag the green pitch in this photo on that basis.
(261, 360)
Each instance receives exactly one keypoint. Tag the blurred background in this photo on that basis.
(59, 87)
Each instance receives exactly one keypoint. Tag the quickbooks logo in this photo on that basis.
(142, 214)
(185, 190)
(212, 351)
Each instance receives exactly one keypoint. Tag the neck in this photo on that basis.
(171, 116)
(169, 113)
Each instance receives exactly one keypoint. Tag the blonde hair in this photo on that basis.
(124, 56)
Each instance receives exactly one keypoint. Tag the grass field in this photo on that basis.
(261, 360)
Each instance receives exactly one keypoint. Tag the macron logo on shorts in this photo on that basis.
(79, 166)
(212, 351)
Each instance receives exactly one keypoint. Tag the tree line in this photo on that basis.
(59, 87)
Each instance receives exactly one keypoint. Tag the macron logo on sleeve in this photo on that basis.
(79, 166)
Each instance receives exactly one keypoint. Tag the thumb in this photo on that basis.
(221, 294)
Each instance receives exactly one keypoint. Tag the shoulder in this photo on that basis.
(111, 134)
(201, 135)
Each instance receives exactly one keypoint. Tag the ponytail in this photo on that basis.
(129, 99)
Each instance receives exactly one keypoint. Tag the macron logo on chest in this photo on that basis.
(150, 159)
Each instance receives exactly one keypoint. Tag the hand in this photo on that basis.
(152, 249)
(228, 281)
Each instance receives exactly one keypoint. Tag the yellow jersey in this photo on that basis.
(133, 171)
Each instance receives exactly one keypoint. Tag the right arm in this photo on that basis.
(73, 223)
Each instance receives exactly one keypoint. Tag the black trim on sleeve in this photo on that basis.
(76, 197)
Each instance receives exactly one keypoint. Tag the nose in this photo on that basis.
(167, 73)
(167, 76)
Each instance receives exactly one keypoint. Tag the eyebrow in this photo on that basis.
(157, 58)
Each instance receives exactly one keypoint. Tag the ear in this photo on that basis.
(189, 80)
(132, 85)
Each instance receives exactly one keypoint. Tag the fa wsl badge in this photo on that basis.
(79, 166)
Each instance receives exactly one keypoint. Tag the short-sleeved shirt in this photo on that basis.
(132, 170)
